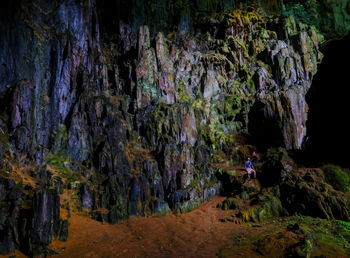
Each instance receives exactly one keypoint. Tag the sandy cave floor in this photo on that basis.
(198, 233)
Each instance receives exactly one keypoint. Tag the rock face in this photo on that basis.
(314, 196)
(283, 189)
(29, 219)
(283, 92)
(318, 192)
(129, 112)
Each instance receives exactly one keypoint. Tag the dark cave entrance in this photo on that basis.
(328, 124)
(264, 131)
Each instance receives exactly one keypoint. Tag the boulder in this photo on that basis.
(306, 191)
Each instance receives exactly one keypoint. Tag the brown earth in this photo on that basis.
(199, 233)
(195, 234)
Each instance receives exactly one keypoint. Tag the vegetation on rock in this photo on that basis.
(141, 112)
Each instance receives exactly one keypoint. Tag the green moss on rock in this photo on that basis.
(228, 204)
(268, 207)
(337, 177)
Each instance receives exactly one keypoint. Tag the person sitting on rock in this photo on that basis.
(249, 167)
(256, 157)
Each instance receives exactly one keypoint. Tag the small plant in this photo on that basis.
(59, 163)
(183, 96)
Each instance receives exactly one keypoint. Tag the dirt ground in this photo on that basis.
(195, 234)
(198, 233)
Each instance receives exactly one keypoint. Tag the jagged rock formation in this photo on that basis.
(130, 112)
(30, 217)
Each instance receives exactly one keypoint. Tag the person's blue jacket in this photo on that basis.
(248, 164)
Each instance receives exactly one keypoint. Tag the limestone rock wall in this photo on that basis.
(129, 113)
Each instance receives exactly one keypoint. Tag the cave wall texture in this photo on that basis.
(126, 103)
